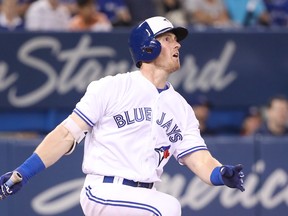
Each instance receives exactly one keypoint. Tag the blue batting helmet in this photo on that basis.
(143, 45)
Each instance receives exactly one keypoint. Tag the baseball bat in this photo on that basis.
(15, 178)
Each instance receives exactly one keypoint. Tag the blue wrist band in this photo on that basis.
(215, 177)
(31, 167)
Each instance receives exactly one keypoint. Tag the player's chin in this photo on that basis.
(176, 67)
(177, 63)
(173, 66)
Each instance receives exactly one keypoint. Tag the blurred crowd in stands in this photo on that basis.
(270, 119)
(104, 15)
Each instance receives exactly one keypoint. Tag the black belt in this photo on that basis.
(110, 179)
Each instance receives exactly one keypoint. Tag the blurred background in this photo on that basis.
(234, 73)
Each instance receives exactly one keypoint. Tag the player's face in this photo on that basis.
(168, 59)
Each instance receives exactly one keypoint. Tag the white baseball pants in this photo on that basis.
(110, 199)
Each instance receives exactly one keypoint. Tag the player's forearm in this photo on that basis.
(50, 150)
(202, 164)
(207, 168)
(211, 171)
(55, 145)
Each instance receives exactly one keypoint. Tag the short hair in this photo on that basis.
(82, 3)
(276, 97)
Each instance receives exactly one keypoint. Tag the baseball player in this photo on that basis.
(133, 123)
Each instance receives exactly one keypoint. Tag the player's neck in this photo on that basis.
(156, 77)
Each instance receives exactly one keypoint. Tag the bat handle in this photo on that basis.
(15, 178)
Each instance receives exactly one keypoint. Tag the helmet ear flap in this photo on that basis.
(142, 44)
(151, 49)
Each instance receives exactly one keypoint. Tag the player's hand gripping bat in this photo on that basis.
(9, 184)
(15, 178)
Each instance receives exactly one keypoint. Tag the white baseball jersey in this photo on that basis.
(135, 129)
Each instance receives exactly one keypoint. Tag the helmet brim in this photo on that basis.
(180, 32)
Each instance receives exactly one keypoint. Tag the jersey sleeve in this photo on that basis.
(95, 100)
(192, 139)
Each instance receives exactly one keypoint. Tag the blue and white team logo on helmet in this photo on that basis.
(142, 43)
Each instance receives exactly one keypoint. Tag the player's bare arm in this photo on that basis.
(59, 141)
(202, 164)
(55, 145)
(212, 172)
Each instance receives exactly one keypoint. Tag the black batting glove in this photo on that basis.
(232, 176)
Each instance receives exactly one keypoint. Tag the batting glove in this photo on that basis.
(232, 176)
(6, 191)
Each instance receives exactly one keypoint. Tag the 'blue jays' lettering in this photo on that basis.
(144, 114)
(139, 115)
(173, 132)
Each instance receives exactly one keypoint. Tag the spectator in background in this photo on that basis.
(23, 6)
(116, 11)
(88, 18)
(47, 15)
(247, 12)
(278, 12)
(251, 122)
(71, 5)
(173, 10)
(276, 117)
(141, 10)
(208, 13)
(9, 17)
(201, 107)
